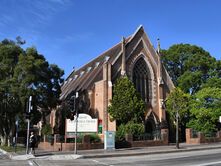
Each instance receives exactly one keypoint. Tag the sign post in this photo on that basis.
(76, 119)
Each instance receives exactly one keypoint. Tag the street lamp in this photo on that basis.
(28, 128)
(177, 129)
(16, 133)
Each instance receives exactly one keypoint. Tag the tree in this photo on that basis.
(126, 104)
(188, 65)
(24, 73)
(9, 101)
(214, 82)
(205, 110)
(178, 102)
(35, 76)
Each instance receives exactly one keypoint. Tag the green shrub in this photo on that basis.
(94, 138)
(129, 128)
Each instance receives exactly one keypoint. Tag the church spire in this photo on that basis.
(159, 62)
(123, 64)
(158, 46)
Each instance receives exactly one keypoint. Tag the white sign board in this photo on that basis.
(220, 119)
(84, 124)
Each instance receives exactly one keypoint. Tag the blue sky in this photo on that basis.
(70, 33)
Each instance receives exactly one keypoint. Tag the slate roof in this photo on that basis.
(84, 77)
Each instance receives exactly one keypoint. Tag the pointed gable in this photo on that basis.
(90, 73)
(85, 77)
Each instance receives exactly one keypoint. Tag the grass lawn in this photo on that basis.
(12, 149)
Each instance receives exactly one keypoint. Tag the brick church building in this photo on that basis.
(135, 57)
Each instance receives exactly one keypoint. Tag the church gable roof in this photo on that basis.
(87, 75)
(83, 77)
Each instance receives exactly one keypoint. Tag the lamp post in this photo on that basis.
(16, 132)
(177, 129)
(76, 121)
(28, 120)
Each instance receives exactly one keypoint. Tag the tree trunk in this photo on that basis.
(2, 140)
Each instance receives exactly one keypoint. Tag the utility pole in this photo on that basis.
(76, 121)
(28, 120)
(177, 129)
(16, 132)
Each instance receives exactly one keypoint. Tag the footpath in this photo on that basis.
(99, 153)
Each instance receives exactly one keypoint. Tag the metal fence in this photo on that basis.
(194, 134)
(210, 134)
(207, 134)
(148, 136)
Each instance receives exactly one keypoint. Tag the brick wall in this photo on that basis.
(201, 138)
(144, 143)
(69, 146)
(58, 146)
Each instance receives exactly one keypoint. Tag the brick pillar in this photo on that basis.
(105, 97)
(188, 135)
(164, 136)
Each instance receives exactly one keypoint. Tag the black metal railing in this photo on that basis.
(156, 135)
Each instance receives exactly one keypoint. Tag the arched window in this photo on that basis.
(140, 79)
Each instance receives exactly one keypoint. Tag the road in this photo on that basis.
(194, 158)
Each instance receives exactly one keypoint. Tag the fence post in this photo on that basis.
(164, 136)
(188, 135)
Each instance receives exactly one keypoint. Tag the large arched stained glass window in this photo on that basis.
(140, 79)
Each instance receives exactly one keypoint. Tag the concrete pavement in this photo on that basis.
(99, 153)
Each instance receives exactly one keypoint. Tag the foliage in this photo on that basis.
(192, 69)
(24, 73)
(12, 149)
(212, 82)
(34, 76)
(94, 138)
(9, 101)
(189, 66)
(178, 101)
(126, 104)
(46, 129)
(205, 109)
(129, 128)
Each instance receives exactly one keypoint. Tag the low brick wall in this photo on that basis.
(201, 138)
(147, 143)
(68, 146)
(58, 146)
(85, 145)
(144, 143)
